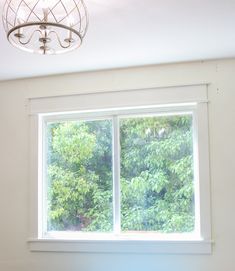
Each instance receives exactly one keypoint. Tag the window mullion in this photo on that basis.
(116, 176)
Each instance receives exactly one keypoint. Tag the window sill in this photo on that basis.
(122, 246)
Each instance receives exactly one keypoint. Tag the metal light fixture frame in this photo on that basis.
(45, 23)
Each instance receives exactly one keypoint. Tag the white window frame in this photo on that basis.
(174, 99)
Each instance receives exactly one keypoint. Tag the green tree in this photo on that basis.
(156, 174)
(79, 174)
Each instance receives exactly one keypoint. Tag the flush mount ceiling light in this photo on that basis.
(45, 26)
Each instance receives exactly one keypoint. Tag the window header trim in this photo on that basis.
(119, 99)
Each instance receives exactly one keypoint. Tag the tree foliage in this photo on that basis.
(157, 192)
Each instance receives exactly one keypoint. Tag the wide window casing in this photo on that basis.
(111, 109)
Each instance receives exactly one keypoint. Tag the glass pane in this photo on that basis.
(79, 176)
(157, 187)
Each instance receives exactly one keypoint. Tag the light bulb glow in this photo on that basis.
(47, 4)
(21, 16)
(71, 21)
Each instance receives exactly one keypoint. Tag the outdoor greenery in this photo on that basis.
(157, 191)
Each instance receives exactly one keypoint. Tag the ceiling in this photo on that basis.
(125, 33)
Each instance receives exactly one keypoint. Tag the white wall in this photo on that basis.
(14, 160)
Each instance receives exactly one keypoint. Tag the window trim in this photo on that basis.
(121, 246)
(195, 96)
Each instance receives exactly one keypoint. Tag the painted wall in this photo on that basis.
(14, 160)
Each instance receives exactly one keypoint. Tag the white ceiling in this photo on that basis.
(124, 33)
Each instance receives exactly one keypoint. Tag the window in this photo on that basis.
(119, 171)
(121, 174)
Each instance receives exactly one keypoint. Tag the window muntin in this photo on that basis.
(125, 215)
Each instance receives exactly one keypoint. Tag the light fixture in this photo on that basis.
(45, 26)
